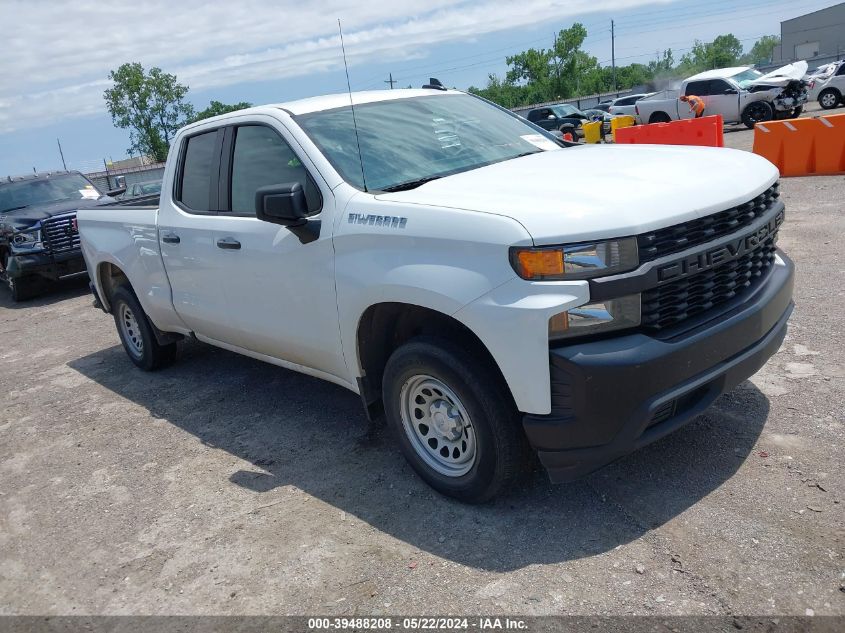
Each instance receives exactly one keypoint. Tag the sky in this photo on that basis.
(57, 54)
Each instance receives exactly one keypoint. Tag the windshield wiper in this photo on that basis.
(411, 184)
(23, 206)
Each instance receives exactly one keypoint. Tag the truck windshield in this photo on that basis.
(564, 110)
(25, 193)
(405, 142)
(746, 77)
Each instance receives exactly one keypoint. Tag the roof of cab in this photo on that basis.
(42, 175)
(719, 73)
(329, 102)
(340, 100)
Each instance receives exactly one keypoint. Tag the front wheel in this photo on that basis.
(757, 112)
(21, 288)
(136, 332)
(455, 426)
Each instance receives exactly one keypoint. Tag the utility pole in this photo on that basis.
(391, 81)
(61, 153)
(557, 62)
(613, 55)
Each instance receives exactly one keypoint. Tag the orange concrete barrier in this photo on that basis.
(803, 147)
(706, 131)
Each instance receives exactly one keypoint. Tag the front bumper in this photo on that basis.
(613, 396)
(49, 265)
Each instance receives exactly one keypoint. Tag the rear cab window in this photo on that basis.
(195, 182)
(697, 88)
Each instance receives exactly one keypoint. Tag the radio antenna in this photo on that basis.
(352, 106)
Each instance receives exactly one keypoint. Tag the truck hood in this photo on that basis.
(28, 216)
(601, 191)
(783, 75)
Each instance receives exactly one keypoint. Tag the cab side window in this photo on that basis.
(261, 157)
(698, 88)
(719, 86)
(195, 185)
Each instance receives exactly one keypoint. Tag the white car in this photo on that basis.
(431, 255)
(740, 94)
(829, 89)
(627, 105)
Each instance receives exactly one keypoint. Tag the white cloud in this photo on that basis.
(56, 55)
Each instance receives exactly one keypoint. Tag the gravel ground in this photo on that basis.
(226, 486)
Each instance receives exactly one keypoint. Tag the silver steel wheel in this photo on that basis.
(438, 426)
(828, 100)
(130, 331)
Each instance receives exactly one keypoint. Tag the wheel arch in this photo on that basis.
(109, 278)
(384, 327)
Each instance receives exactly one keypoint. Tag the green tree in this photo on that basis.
(762, 51)
(724, 51)
(151, 105)
(216, 107)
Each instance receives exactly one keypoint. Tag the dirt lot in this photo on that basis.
(223, 485)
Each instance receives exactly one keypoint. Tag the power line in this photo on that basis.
(663, 16)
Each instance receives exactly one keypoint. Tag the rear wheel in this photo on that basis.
(829, 98)
(757, 112)
(455, 426)
(136, 332)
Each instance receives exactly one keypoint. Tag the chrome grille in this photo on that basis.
(60, 233)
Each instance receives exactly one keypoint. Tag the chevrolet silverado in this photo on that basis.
(423, 250)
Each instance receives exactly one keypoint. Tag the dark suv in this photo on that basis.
(559, 116)
(39, 240)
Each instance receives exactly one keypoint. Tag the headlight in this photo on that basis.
(27, 240)
(596, 318)
(576, 261)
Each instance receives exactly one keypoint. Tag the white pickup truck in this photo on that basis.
(741, 94)
(430, 255)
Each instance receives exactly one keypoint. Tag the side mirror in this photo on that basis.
(551, 117)
(283, 204)
(114, 193)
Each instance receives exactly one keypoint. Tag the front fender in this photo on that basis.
(441, 259)
(512, 321)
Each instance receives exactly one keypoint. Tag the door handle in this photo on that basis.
(228, 243)
(170, 238)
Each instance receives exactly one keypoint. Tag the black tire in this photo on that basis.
(500, 447)
(138, 339)
(796, 112)
(829, 98)
(659, 117)
(21, 288)
(757, 112)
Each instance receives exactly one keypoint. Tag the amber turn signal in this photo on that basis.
(539, 263)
